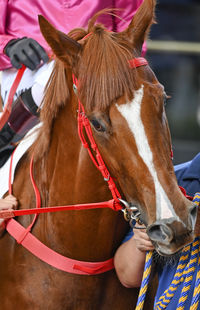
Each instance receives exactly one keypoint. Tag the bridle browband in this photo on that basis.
(23, 235)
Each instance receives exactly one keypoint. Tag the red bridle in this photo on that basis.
(83, 122)
(7, 109)
(23, 235)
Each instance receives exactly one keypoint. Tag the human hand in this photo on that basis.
(142, 241)
(25, 51)
(8, 203)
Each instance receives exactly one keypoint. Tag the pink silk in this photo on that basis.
(19, 18)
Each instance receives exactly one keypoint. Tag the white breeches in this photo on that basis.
(36, 80)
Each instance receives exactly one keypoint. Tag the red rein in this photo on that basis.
(23, 235)
(7, 109)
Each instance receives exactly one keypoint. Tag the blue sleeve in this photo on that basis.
(188, 175)
(180, 170)
(128, 236)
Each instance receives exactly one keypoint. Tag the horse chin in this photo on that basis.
(166, 252)
(173, 247)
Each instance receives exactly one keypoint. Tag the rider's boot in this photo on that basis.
(24, 116)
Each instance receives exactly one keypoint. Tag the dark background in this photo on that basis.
(179, 20)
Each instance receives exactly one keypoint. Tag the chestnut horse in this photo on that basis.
(125, 107)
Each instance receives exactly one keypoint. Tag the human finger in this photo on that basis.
(15, 62)
(144, 248)
(144, 245)
(140, 233)
(143, 241)
(32, 58)
(10, 200)
(26, 60)
(40, 51)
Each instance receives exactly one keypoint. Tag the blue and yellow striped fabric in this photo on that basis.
(145, 280)
(188, 262)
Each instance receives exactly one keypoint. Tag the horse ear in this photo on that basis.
(65, 48)
(140, 25)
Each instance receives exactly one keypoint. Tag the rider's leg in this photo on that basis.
(24, 115)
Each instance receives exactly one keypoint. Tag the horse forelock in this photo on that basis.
(104, 71)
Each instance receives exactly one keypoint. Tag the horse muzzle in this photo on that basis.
(171, 234)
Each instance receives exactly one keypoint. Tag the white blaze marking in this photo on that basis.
(131, 111)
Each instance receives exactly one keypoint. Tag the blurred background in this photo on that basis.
(174, 55)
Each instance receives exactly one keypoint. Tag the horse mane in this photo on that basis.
(104, 76)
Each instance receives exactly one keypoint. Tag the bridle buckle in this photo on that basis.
(131, 213)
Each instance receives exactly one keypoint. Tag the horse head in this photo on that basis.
(125, 108)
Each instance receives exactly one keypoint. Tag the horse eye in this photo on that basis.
(97, 125)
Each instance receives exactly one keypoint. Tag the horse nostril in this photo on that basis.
(160, 232)
(193, 215)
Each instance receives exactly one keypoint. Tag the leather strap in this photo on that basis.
(138, 62)
(6, 112)
(54, 259)
(6, 214)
